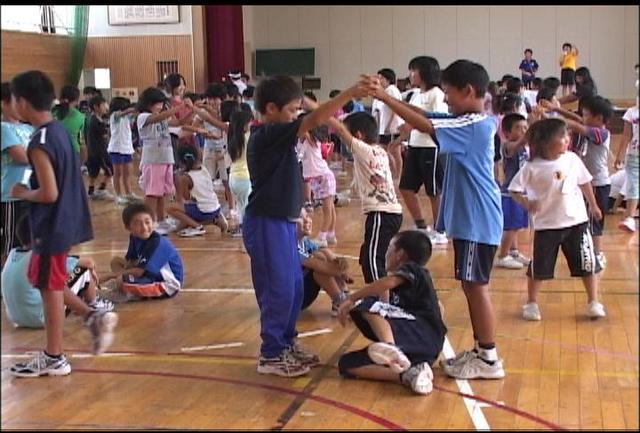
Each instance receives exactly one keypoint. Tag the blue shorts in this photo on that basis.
(120, 158)
(194, 213)
(515, 216)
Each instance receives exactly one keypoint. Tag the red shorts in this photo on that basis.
(48, 272)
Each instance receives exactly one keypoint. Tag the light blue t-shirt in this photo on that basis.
(22, 301)
(470, 208)
(13, 134)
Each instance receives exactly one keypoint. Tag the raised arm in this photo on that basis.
(568, 115)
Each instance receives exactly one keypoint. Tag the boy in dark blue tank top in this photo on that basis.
(269, 228)
(59, 217)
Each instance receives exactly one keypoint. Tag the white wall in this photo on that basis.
(99, 25)
(352, 39)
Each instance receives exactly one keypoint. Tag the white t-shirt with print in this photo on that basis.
(385, 113)
(432, 100)
(156, 141)
(556, 186)
(313, 165)
(373, 178)
(121, 140)
(631, 116)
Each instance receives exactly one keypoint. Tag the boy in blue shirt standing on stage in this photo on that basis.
(269, 226)
(470, 210)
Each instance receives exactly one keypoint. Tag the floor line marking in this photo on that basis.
(474, 409)
(214, 346)
(316, 332)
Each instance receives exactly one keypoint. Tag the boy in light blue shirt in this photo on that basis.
(470, 211)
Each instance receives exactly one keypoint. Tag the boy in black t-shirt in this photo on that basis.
(97, 142)
(269, 228)
(408, 330)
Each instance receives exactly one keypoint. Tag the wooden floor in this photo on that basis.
(564, 372)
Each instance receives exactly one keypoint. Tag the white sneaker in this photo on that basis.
(519, 257)
(628, 225)
(419, 378)
(531, 311)
(42, 365)
(508, 262)
(172, 222)
(164, 228)
(438, 238)
(602, 259)
(190, 232)
(388, 354)
(474, 367)
(460, 358)
(134, 197)
(101, 324)
(595, 310)
(122, 200)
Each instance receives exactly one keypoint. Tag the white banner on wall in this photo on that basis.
(145, 14)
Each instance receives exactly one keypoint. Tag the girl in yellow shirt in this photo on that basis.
(567, 62)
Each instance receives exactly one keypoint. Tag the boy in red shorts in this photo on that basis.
(59, 214)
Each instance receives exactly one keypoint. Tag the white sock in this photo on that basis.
(488, 354)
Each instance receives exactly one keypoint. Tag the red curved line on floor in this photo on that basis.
(389, 425)
(497, 405)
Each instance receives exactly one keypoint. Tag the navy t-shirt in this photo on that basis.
(276, 181)
(56, 227)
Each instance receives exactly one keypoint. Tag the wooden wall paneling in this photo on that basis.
(22, 51)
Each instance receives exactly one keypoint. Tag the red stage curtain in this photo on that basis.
(224, 40)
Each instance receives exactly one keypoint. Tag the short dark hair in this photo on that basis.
(537, 82)
(528, 50)
(150, 96)
(566, 44)
(462, 72)
(215, 90)
(174, 80)
(232, 90)
(416, 244)
(428, 68)
(505, 78)
(35, 87)
(119, 103)
(364, 123)
(96, 101)
(598, 106)
(541, 135)
(508, 102)
(89, 90)
(6, 92)
(309, 94)
(334, 93)
(514, 85)
(134, 209)
(545, 93)
(193, 97)
(552, 83)
(279, 90)
(248, 92)
(511, 119)
(388, 74)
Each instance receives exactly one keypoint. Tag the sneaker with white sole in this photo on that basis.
(101, 325)
(190, 232)
(418, 378)
(628, 225)
(438, 238)
(102, 304)
(305, 357)
(388, 354)
(122, 200)
(508, 262)
(602, 259)
(460, 358)
(474, 367)
(531, 311)
(42, 365)
(595, 310)
(284, 365)
(134, 197)
(517, 255)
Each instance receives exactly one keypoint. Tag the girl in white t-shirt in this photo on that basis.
(551, 186)
(323, 182)
(196, 201)
(121, 148)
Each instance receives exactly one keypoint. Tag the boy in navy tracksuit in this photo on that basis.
(269, 227)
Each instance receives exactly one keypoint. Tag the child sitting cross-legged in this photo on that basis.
(152, 267)
(321, 268)
(196, 186)
(408, 331)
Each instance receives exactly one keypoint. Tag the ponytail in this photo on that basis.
(237, 125)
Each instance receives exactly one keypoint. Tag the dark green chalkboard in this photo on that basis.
(293, 61)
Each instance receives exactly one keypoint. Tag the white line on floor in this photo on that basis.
(222, 290)
(215, 346)
(473, 406)
(316, 332)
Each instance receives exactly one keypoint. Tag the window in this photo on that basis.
(38, 19)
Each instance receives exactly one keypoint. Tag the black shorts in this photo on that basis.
(422, 167)
(473, 261)
(311, 290)
(385, 139)
(95, 163)
(415, 337)
(15, 225)
(577, 247)
(602, 199)
(567, 77)
(379, 229)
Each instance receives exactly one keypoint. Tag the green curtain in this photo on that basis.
(78, 44)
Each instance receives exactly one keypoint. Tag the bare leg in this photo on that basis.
(117, 178)
(125, 170)
(54, 318)
(411, 200)
(533, 288)
(177, 211)
(435, 207)
(328, 283)
(152, 202)
(508, 237)
(380, 327)
(376, 372)
(76, 304)
(591, 286)
(597, 244)
(483, 318)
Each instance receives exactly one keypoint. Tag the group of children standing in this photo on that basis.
(451, 152)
